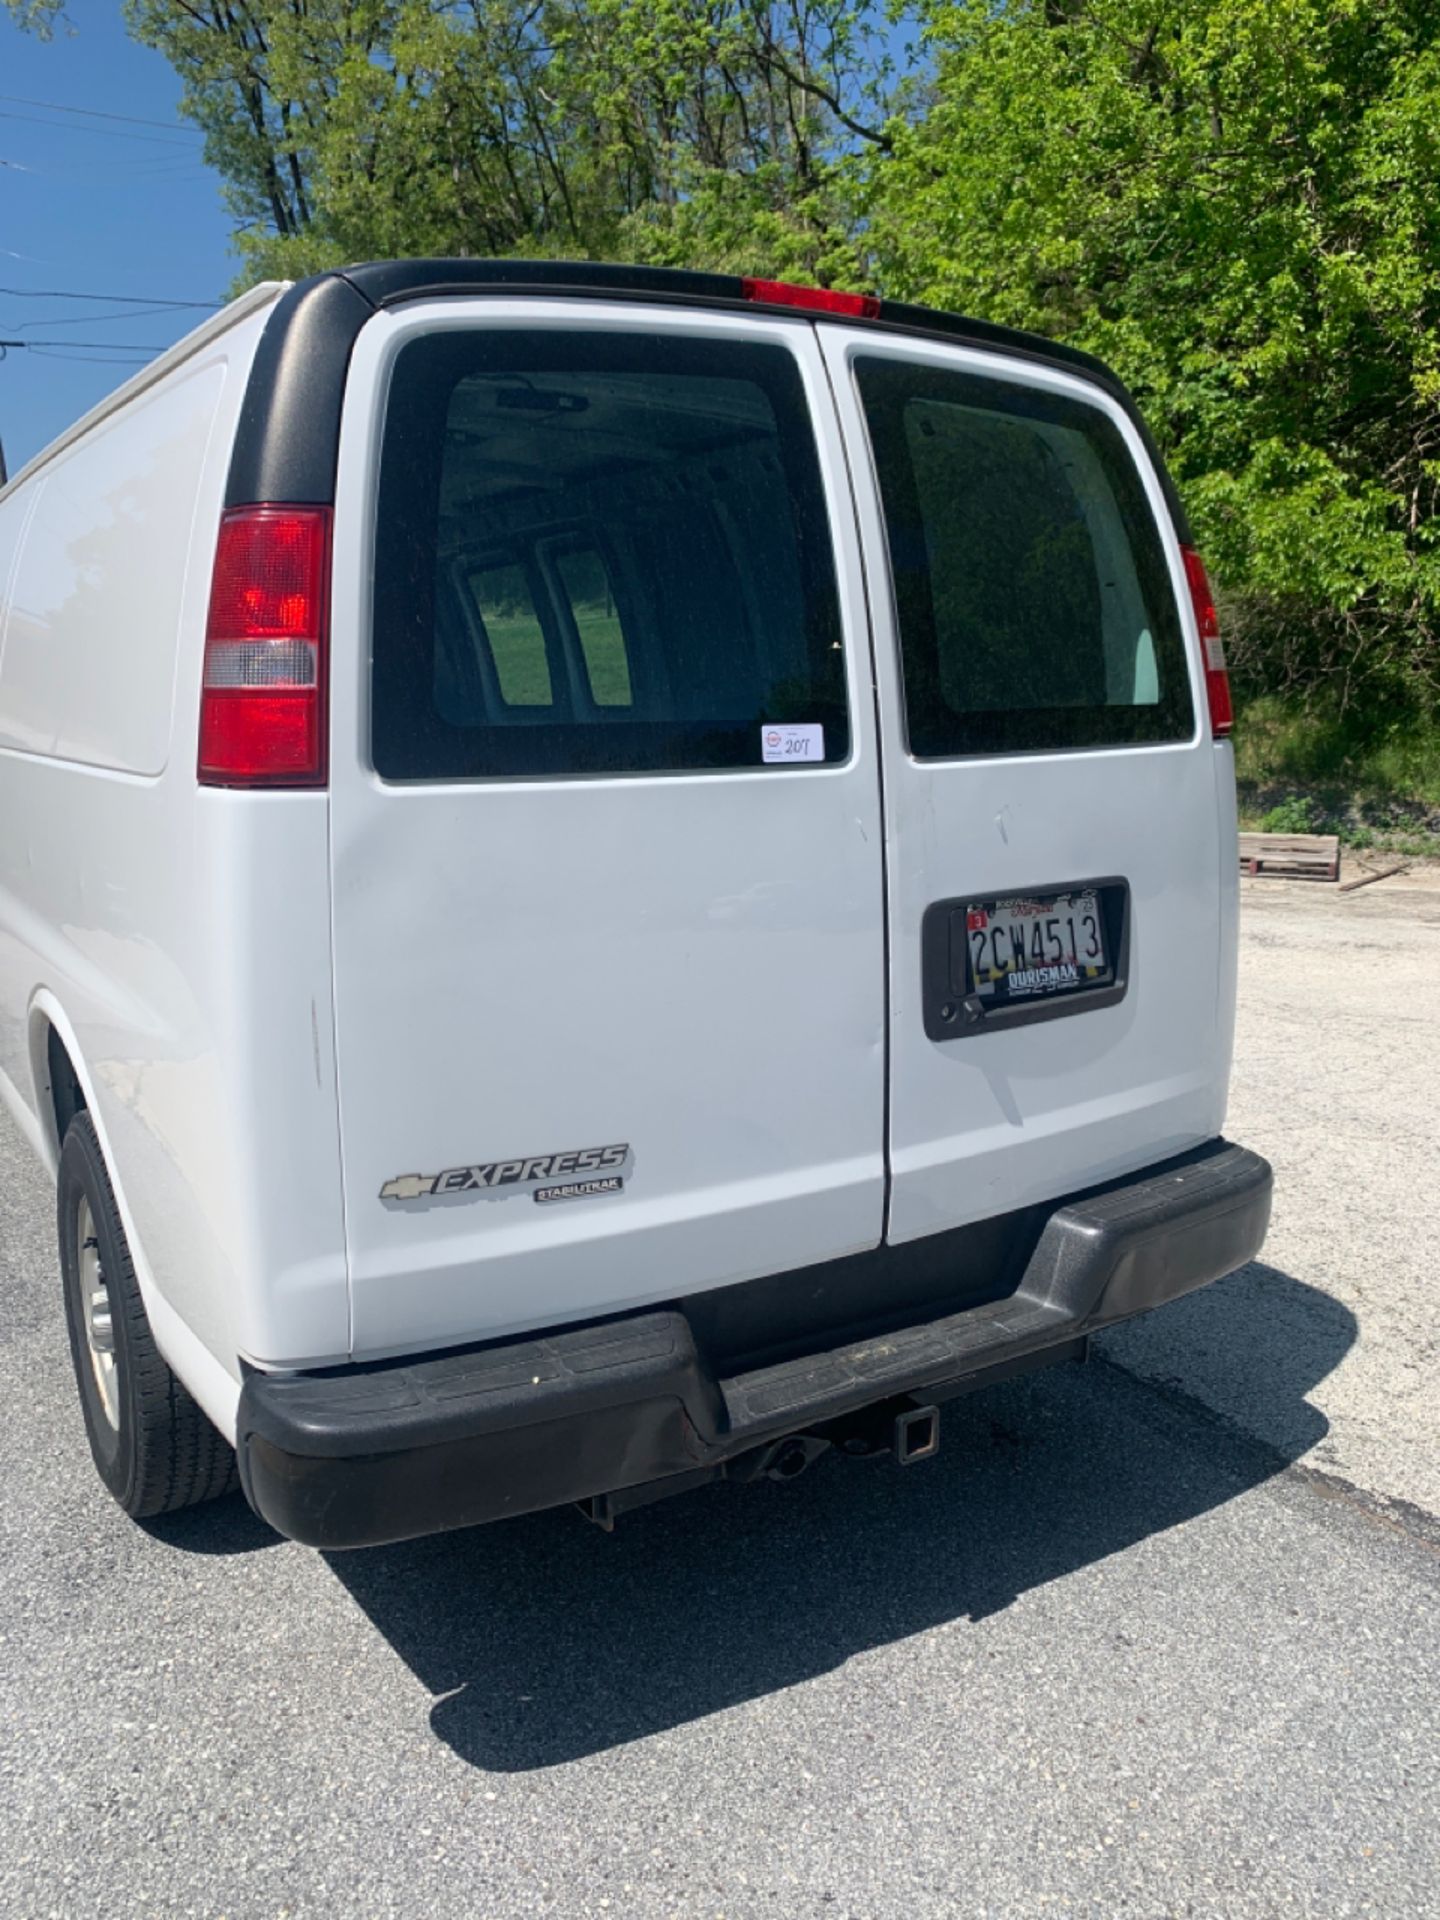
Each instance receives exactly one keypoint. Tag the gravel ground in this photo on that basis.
(1153, 1637)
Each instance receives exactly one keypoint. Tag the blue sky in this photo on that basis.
(83, 209)
(100, 205)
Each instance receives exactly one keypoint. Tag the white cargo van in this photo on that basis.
(608, 878)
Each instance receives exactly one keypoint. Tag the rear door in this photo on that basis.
(1054, 859)
(608, 905)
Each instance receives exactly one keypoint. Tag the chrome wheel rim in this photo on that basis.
(96, 1315)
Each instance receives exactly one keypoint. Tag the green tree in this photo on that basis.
(700, 131)
(1232, 201)
(1235, 203)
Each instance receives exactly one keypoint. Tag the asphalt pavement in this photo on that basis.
(1329, 1345)
(1156, 1636)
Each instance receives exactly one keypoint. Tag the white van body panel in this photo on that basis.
(985, 1124)
(278, 1003)
(213, 1385)
(138, 915)
(703, 983)
(1227, 909)
(109, 532)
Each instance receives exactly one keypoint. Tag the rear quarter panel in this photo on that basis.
(179, 939)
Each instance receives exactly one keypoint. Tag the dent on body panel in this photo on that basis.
(89, 659)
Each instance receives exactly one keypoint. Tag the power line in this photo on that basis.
(148, 169)
(89, 319)
(110, 346)
(90, 359)
(110, 133)
(96, 113)
(114, 299)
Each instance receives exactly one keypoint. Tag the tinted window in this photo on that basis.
(1034, 602)
(510, 627)
(598, 553)
(591, 602)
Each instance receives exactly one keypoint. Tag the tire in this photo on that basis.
(152, 1446)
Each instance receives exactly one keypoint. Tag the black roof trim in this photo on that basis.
(287, 439)
(388, 282)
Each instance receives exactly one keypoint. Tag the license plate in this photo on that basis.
(1023, 949)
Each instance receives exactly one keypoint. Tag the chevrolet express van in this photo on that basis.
(608, 878)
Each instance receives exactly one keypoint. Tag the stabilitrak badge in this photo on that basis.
(583, 1173)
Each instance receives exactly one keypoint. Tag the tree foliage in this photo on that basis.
(668, 131)
(1233, 201)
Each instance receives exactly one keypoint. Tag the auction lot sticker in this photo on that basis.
(792, 740)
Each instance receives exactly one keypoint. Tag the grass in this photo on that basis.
(1376, 755)
(603, 645)
(1371, 776)
(518, 647)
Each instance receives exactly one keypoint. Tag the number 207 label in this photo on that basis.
(790, 741)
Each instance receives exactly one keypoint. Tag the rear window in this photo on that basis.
(591, 605)
(1035, 605)
(505, 616)
(599, 553)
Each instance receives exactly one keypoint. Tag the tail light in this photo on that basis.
(784, 293)
(1217, 680)
(262, 704)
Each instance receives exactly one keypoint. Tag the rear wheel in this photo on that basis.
(153, 1447)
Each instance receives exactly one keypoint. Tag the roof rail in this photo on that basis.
(289, 431)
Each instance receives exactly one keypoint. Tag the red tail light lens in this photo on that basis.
(1217, 679)
(262, 704)
(783, 293)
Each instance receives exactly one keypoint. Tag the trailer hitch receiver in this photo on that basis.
(917, 1435)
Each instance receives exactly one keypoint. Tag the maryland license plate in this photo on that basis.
(1044, 944)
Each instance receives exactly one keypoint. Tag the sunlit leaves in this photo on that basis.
(1236, 202)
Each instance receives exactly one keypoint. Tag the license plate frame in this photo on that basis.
(957, 1006)
(1023, 948)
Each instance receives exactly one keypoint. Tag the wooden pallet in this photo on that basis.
(1314, 856)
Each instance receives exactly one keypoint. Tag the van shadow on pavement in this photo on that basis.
(550, 1641)
(547, 1640)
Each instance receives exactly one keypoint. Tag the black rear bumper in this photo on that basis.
(364, 1455)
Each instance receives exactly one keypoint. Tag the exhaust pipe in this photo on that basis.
(789, 1458)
